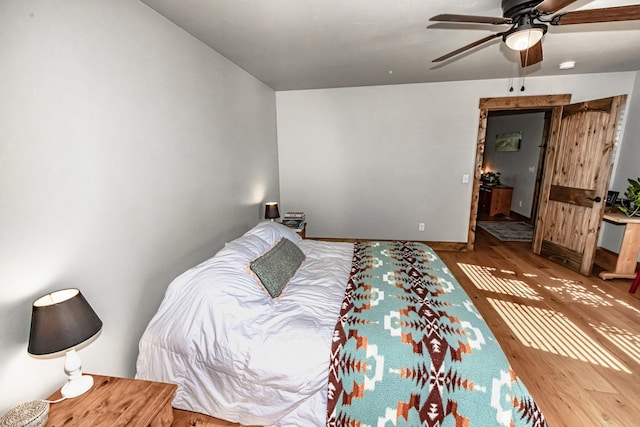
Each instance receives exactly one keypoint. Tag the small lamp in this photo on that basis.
(61, 321)
(271, 211)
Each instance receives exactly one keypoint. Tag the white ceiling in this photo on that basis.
(306, 44)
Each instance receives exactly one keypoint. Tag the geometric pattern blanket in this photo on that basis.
(411, 349)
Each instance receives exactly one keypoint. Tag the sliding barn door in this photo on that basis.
(576, 181)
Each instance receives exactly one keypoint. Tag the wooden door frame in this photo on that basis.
(535, 203)
(543, 102)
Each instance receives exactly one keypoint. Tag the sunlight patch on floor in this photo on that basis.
(619, 301)
(551, 331)
(598, 297)
(627, 305)
(570, 290)
(485, 278)
(625, 340)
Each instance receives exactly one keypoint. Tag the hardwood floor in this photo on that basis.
(574, 340)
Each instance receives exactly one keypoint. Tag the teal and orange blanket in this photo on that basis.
(411, 349)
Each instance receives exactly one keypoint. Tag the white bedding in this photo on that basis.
(238, 354)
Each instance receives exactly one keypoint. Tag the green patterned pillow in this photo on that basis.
(277, 266)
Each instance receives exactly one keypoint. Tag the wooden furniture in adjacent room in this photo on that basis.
(629, 249)
(495, 199)
(115, 401)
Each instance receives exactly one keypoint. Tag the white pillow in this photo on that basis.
(249, 246)
(271, 232)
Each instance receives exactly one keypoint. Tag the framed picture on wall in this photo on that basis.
(508, 141)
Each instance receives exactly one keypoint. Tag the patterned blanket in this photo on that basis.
(411, 349)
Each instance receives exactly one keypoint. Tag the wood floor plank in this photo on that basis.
(593, 319)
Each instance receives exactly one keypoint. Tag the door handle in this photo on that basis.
(596, 199)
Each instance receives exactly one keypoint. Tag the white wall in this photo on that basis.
(627, 165)
(373, 162)
(129, 152)
(515, 166)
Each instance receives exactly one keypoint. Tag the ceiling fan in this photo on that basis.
(529, 20)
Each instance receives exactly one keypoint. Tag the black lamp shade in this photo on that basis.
(60, 321)
(271, 211)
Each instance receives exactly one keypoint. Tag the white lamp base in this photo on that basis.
(77, 386)
(77, 383)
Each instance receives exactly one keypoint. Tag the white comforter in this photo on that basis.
(238, 354)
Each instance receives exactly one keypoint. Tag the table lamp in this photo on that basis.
(271, 211)
(61, 321)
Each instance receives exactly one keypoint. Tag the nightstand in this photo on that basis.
(495, 199)
(303, 232)
(115, 401)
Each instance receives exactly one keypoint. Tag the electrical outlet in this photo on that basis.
(421, 226)
(520, 203)
(465, 178)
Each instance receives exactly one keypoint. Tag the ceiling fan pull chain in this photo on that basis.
(514, 72)
(524, 69)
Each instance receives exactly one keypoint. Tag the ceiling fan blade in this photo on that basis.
(447, 17)
(531, 56)
(467, 47)
(552, 6)
(607, 14)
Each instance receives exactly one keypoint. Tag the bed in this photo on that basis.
(371, 333)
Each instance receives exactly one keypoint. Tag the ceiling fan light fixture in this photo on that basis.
(524, 37)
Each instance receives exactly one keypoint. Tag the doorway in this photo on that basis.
(519, 164)
(510, 105)
(578, 162)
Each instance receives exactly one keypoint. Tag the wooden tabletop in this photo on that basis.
(114, 402)
(621, 218)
